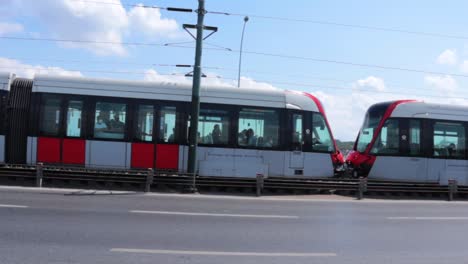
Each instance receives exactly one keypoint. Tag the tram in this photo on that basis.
(412, 141)
(115, 124)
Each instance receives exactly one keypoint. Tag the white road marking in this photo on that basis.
(223, 253)
(428, 218)
(217, 215)
(13, 206)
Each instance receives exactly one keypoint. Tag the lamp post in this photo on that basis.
(240, 53)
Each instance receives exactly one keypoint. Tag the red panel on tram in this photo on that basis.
(142, 155)
(167, 156)
(48, 150)
(73, 151)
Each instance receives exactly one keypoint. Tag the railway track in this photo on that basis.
(166, 180)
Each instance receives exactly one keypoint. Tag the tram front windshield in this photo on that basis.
(371, 122)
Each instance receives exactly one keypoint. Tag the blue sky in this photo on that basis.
(345, 90)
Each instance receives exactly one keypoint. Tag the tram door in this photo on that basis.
(399, 151)
(296, 158)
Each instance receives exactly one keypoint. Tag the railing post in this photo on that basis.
(149, 180)
(362, 187)
(39, 174)
(260, 181)
(453, 188)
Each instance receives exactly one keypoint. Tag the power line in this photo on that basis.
(134, 5)
(52, 69)
(276, 55)
(329, 23)
(85, 41)
(92, 62)
(363, 65)
(311, 77)
(295, 20)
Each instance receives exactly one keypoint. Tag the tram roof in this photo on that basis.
(420, 109)
(5, 80)
(173, 91)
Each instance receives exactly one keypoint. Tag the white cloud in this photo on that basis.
(6, 28)
(371, 82)
(444, 83)
(28, 71)
(149, 22)
(251, 83)
(448, 57)
(212, 79)
(88, 21)
(464, 66)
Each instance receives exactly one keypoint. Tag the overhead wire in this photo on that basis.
(296, 20)
(307, 77)
(284, 56)
(337, 24)
(121, 4)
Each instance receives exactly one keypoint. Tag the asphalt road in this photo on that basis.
(82, 227)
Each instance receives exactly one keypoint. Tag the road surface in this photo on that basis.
(68, 226)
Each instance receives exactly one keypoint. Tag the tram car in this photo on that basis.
(412, 141)
(101, 123)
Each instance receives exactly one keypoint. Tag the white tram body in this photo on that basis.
(413, 141)
(69, 117)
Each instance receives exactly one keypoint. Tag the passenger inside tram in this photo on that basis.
(100, 125)
(116, 124)
(172, 136)
(251, 137)
(216, 134)
(242, 137)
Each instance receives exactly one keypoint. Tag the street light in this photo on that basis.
(240, 53)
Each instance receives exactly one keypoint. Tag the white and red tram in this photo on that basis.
(412, 141)
(130, 125)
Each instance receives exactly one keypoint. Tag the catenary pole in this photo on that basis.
(240, 53)
(195, 107)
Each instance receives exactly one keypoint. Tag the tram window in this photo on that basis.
(297, 131)
(167, 125)
(110, 119)
(258, 128)
(50, 119)
(388, 141)
(213, 127)
(74, 111)
(321, 138)
(449, 140)
(415, 137)
(144, 127)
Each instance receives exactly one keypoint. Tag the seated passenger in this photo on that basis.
(260, 142)
(116, 124)
(100, 125)
(251, 138)
(242, 137)
(216, 134)
(452, 150)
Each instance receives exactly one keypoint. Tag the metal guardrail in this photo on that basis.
(46, 175)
